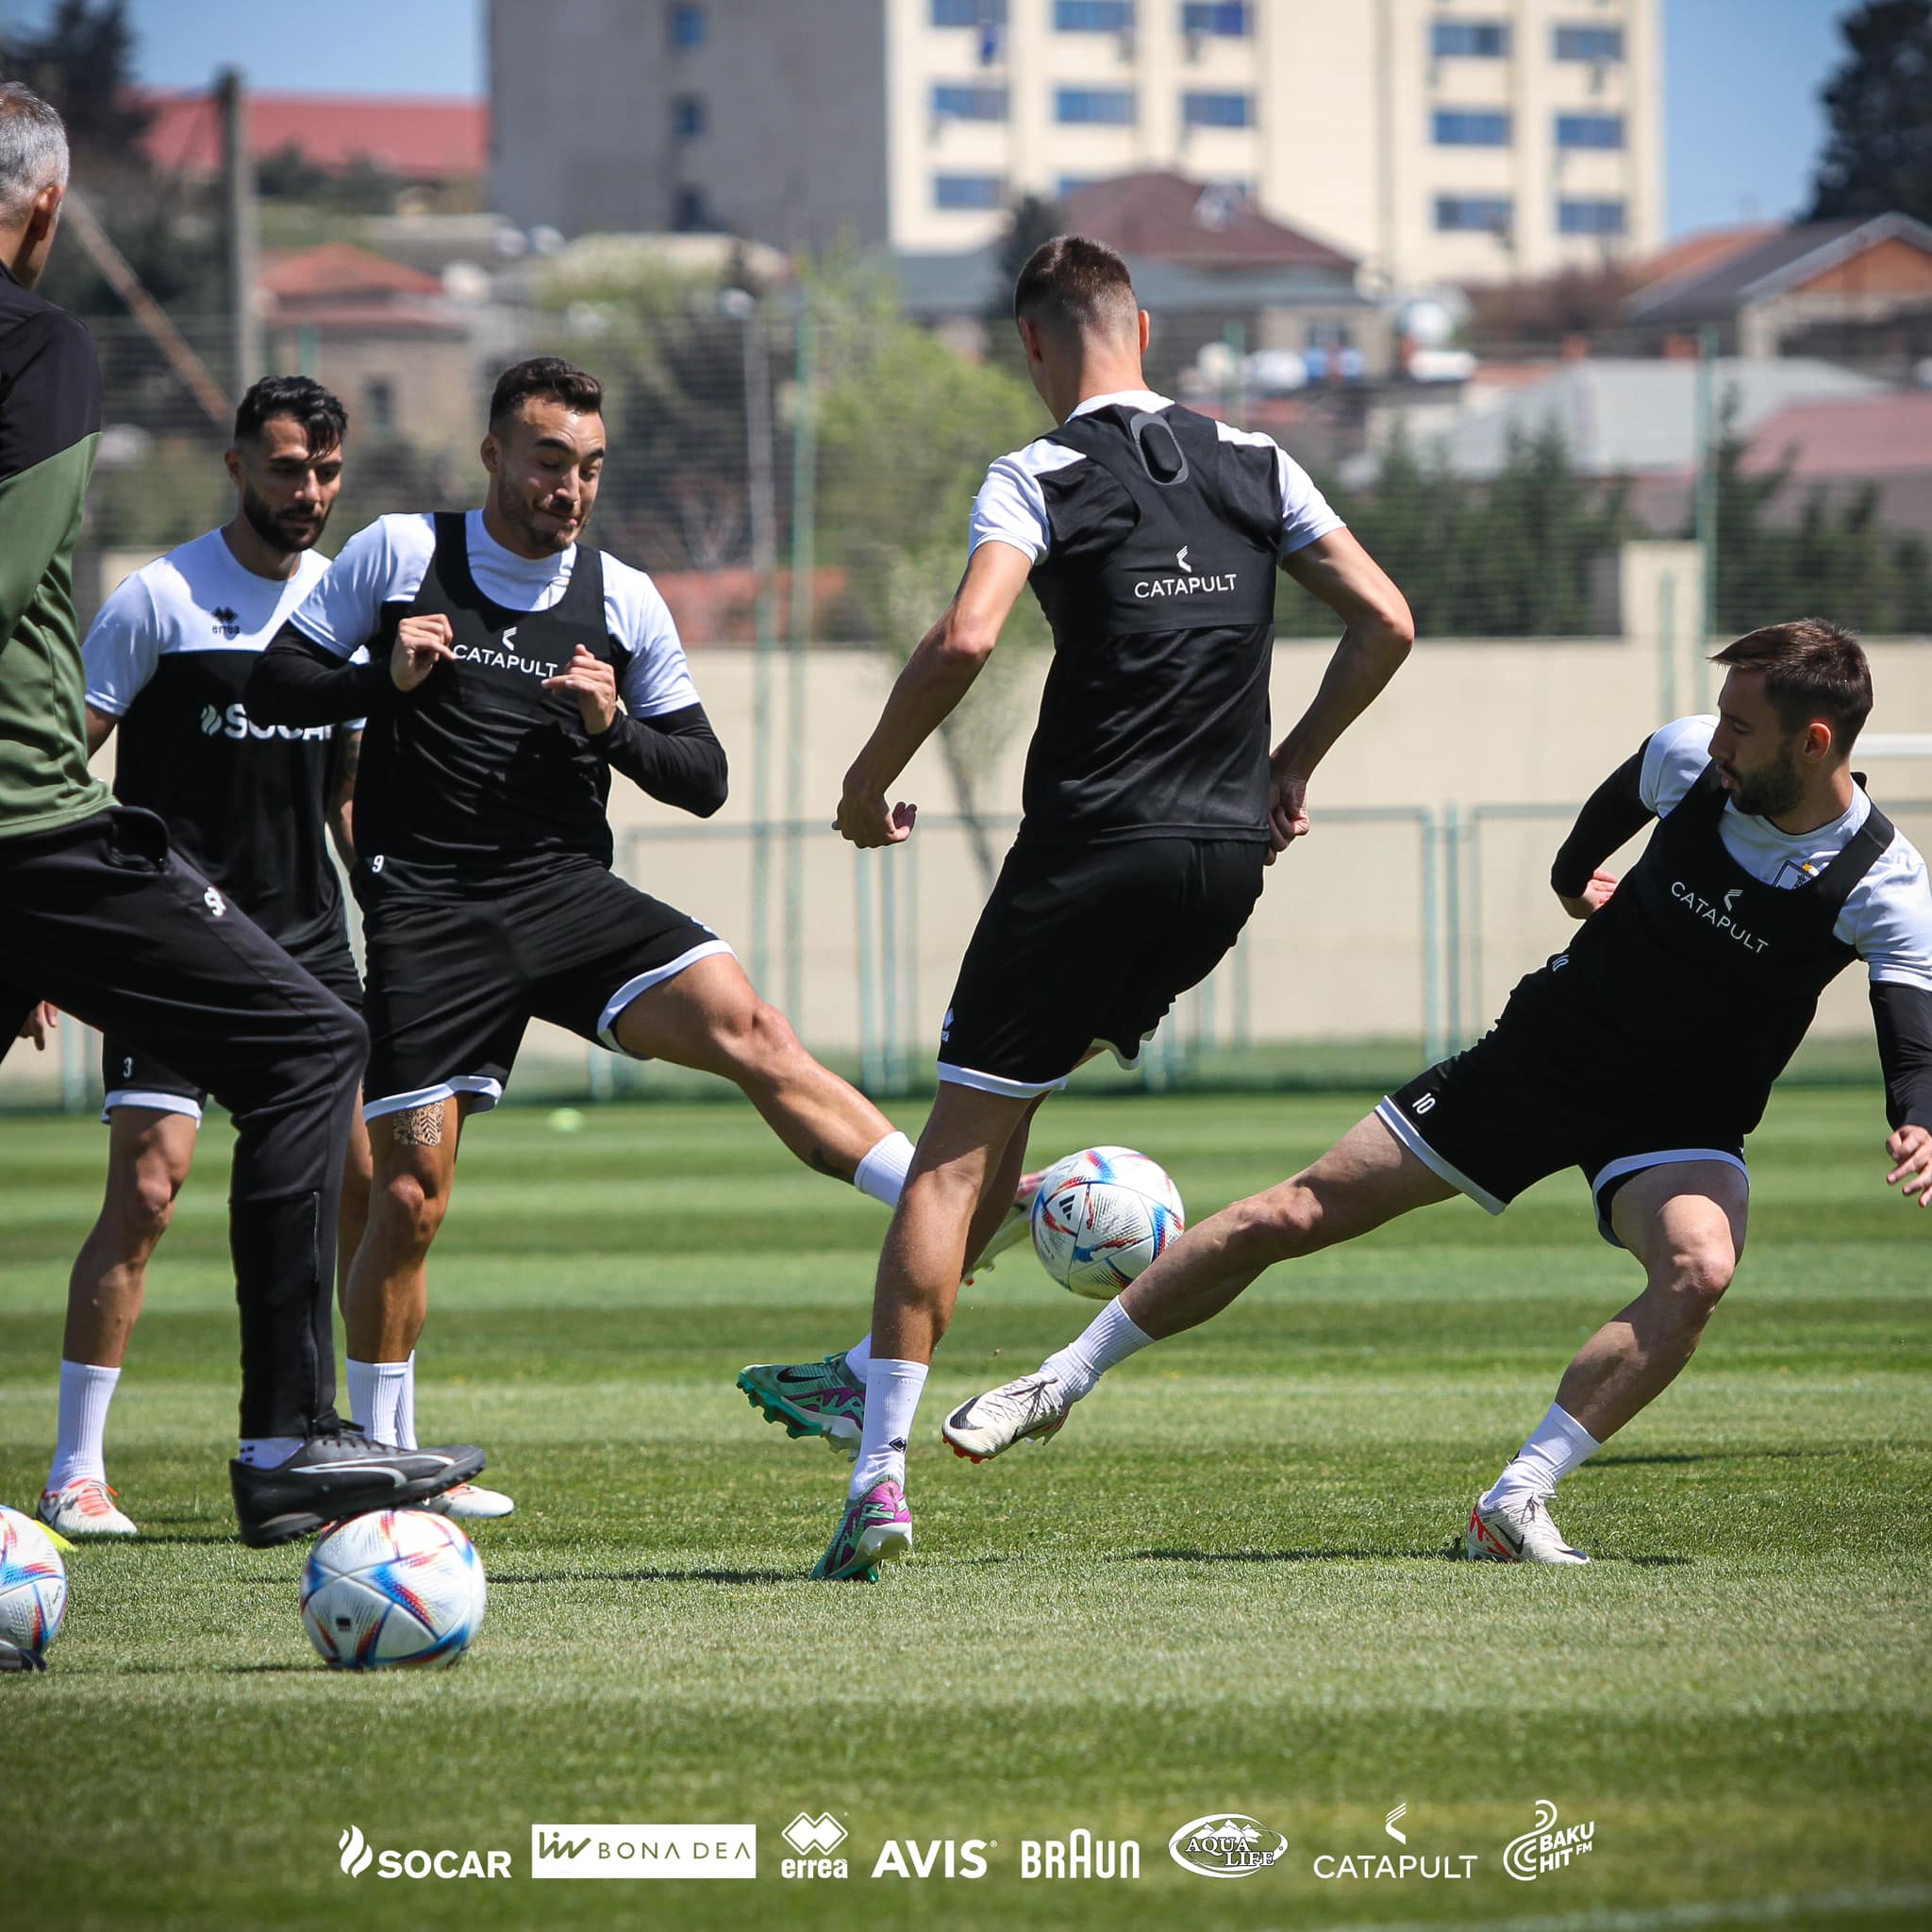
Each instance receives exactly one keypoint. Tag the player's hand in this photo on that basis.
(867, 821)
(422, 644)
(1288, 811)
(1912, 1148)
(1595, 895)
(42, 1019)
(595, 684)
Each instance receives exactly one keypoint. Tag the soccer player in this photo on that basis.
(246, 806)
(105, 920)
(1644, 1056)
(1151, 536)
(514, 668)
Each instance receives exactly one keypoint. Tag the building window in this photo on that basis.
(380, 402)
(1072, 184)
(688, 213)
(1590, 130)
(1476, 40)
(1217, 110)
(1233, 20)
(1486, 214)
(687, 25)
(1094, 16)
(688, 116)
(976, 193)
(969, 12)
(1589, 44)
(1590, 217)
(1094, 107)
(1467, 127)
(952, 103)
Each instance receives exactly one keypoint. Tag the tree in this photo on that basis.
(1877, 156)
(82, 66)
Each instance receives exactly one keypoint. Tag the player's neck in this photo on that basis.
(259, 559)
(1831, 799)
(1106, 378)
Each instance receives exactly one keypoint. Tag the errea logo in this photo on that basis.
(227, 625)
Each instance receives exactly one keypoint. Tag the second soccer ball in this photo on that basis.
(1100, 1216)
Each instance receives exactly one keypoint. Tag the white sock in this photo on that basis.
(859, 1358)
(80, 1446)
(388, 1384)
(361, 1393)
(882, 1173)
(406, 1415)
(267, 1452)
(1557, 1445)
(1112, 1337)
(893, 1389)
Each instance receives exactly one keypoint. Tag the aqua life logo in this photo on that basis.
(356, 1856)
(1226, 1845)
(1543, 1848)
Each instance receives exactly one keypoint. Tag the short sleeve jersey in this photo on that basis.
(169, 655)
(1886, 919)
(1154, 534)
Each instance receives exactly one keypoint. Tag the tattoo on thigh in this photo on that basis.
(418, 1126)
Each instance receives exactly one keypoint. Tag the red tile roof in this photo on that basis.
(1162, 216)
(337, 270)
(422, 140)
(1880, 435)
(1694, 253)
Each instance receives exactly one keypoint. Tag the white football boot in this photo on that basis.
(470, 1503)
(1030, 1409)
(83, 1509)
(1517, 1533)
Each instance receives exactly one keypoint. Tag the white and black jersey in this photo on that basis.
(479, 773)
(245, 803)
(1154, 535)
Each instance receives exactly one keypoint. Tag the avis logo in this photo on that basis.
(417, 1863)
(814, 1840)
(1226, 1845)
(1544, 1849)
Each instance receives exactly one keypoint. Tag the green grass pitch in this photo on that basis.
(1224, 1588)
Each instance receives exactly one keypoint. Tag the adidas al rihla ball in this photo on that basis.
(33, 1584)
(1100, 1216)
(394, 1589)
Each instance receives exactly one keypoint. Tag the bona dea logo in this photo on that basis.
(1226, 1845)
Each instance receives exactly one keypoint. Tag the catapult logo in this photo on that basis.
(1367, 1862)
(814, 1840)
(1226, 1845)
(1543, 1848)
(358, 1856)
(1685, 896)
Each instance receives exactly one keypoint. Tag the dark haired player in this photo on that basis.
(1644, 1056)
(246, 804)
(515, 668)
(1151, 536)
(105, 920)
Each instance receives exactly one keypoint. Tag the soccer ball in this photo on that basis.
(396, 1587)
(33, 1584)
(1100, 1216)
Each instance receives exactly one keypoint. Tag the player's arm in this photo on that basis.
(1902, 1015)
(673, 755)
(1377, 633)
(937, 675)
(1612, 814)
(50, 408)
(345, 760)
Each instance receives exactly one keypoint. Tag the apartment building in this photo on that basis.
(1437, 139)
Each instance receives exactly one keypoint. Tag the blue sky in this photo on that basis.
(1741, 77)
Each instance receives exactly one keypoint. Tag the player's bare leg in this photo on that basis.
(1684, 1222)
(1367, 1179)
(710, 1019)
(149, 1153)
(358, 1175)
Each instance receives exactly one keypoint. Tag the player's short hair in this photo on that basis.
(545, 375)
(319, 413)
(33, 148)
(1075, 286)
(1812, 669)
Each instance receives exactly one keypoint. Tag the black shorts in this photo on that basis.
(136, 1078)
(1538, 1093)
(1085, 945)
(454, 980)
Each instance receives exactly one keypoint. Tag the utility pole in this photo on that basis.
(237, 200)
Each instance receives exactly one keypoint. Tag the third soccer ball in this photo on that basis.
(1100, 1216)
(395, 1587)
(33, 1584)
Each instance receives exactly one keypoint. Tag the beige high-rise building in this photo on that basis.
(1438, 139)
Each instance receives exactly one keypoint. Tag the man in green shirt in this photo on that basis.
(99, 916)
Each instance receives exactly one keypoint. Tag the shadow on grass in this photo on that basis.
(1451, 1554)
(544, 1576)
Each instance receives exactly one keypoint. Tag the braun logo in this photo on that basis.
(235, 723)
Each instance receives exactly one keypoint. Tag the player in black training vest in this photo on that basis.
(1151, 536)
(246, 804)
(513, 669)
(1643, 1054)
